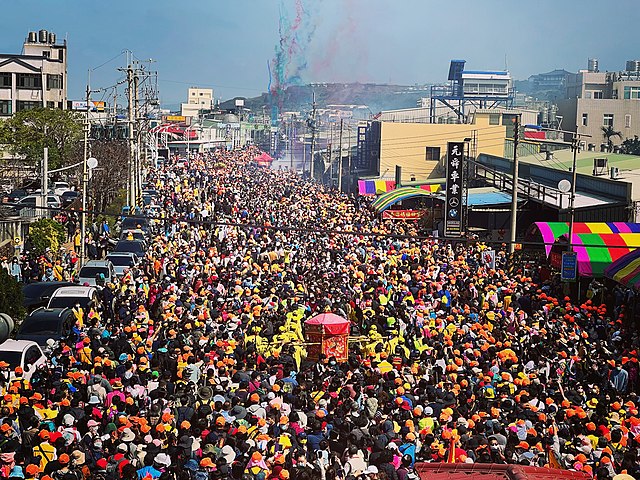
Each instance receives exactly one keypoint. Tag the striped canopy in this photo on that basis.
(383, 202)
(597, 244)
(373, 187)
(551, 231)
(626, 270)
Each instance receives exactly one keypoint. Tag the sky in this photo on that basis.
(229, 45)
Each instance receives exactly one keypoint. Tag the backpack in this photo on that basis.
(113, 467)
(200, 475)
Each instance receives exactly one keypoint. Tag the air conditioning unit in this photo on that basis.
(614, 172)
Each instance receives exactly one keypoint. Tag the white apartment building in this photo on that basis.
(35, 78)
(198, 99)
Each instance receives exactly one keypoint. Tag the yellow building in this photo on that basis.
(420, 148)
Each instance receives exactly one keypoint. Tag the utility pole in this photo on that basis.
(85, 182)
(572, 199)
(349, 161)
(514, 193)
(136, 116)
(291, 143)
(130, 164)
(313, 136)
(340, 157)
(45, 180)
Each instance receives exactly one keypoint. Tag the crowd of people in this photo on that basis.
(195, 365)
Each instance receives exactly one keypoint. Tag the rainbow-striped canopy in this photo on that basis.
(384, 201)
(597, 244)
(626, 270)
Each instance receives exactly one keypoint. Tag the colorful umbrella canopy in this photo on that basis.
(626, 270)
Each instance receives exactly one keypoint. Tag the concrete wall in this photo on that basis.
(405, 144)
(602, 187)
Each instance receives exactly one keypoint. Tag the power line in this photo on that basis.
(286, 228)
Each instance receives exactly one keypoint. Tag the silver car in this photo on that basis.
(122, 261)
(93, 268)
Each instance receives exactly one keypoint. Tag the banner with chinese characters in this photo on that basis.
(402, 214)
(453, 206)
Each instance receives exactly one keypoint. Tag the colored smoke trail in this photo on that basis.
(289, 62)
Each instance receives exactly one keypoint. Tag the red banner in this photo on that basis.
(402, 214)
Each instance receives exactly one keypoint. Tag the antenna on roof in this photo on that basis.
(505, 63)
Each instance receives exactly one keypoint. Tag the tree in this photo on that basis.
(111, 175)
(10, 296)
(631, 146)
(29, 131)
(608, 133)
(46, 233)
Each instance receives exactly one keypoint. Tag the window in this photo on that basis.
(597, 94)
(54, 82)
(45, 54)
(607, 120)
(585, 119)
(627, 121)
(5, 80)
(433, 154)
(5, 107)
(32, 356)
(494, 119)
(51, 104)
(29, 81)
(631, 93)
(27, 105)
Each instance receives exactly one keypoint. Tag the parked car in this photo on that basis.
(122, 261)
(69, 197)
(133, 246)
(16, 195)
(47, 323)
(53, 201)
(22, 353)
(60, 187)
(36, 295)
(66, 297)
(93, 268)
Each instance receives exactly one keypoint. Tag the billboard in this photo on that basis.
(81, 105)
(453, 207)
(174, 118)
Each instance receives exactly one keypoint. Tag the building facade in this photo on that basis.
(420, 148)
(198, 99)
(37, 77)
(602, 99)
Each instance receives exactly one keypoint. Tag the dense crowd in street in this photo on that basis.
(195, 366)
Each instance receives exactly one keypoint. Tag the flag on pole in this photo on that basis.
(451, 453)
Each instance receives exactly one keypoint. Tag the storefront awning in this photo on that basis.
(552, 231)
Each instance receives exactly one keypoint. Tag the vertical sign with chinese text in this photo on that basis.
(453, 205)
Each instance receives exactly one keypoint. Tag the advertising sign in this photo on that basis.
(96, 106)
(569, 270)
(175, 118)
(453, 205)
(402, 214)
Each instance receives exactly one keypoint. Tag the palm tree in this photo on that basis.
(608, 132)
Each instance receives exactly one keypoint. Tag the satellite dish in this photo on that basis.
(92, 163)
(564, 185)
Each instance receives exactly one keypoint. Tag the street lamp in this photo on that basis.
(574, 173)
